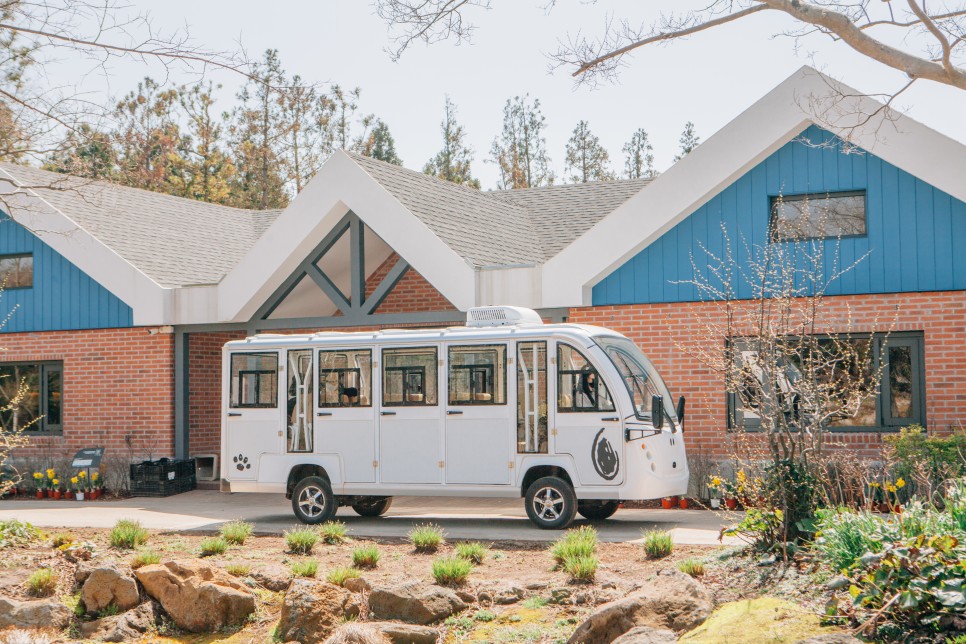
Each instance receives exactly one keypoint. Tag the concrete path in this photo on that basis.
(486, 519)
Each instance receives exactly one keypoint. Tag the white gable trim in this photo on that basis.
(340, 186)
(740, 145)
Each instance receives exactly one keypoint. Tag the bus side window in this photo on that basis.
(409, 376)
(579, 387)
(254, 380)
(345, 378)
(532, 397)
(477, 375)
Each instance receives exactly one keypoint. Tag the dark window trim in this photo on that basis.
(450, 366)
(342, 371)
(20, 288)
(44, 367)
(404, 369)
(919, 360)
(598, 381)
(773, 201)
(258, 380)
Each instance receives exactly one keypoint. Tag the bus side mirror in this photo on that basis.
(657, 411)
(680, 409)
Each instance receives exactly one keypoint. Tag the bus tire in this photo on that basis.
(551, 503)
(373, 506)
(313, 501)
(597, 510)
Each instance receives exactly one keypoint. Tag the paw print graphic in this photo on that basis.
(241, 462)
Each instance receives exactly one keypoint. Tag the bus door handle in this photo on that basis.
(234, 413)
(453, 412)
(387, 413)
(610, 419)
(323, 413)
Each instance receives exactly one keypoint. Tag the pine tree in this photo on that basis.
(342, 106)
(379, 144)
(688, 141)
(521, 149)
(587, 159)
(452, 162)
(207, 173)
(639, 157)
(86, 152)
(307, 142)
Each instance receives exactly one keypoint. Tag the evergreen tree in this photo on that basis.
(342, 107)
(521, 149)
(688, 141)
(257, 131)
(452, 162)
(307, 142)
(639, 157)
(207, 173)
(86, 152)
(379, 144)
(587, 159)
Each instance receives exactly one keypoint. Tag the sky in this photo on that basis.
(709, 78)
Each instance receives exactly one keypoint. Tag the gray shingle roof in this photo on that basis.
(172, 240)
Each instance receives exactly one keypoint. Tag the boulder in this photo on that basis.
(83, 571)
(672, 601)
(108, 585)
(406, 633)
(831, 638)
(357, 633)
(356, 585)
(508, 595)
(311, 611)
(647, 635)
(125, 627)
(272, 577)
(197, 597)
(414, 602)
(38, 613)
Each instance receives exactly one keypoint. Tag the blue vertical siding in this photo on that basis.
(63, 297)
(912, 228)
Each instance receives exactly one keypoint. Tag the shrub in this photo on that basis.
(42, 583)
(333, 532)
(365, 557)
(451, 571)
(61, 539)
(473, 551)
(301, 540)
(536, 602)
(692, 567)
(843, 536)
(128, 534)
(581, 568)
(658, 544)
(426, 537)
(578, 542)
(924, 461)
(484, 615)
(235, 532)
(17, 533)
(145, 558)
(339, 576)
(306, 568)
(238, 568)
(213, 546)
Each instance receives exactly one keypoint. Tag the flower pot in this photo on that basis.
(96, 494)
(40, 494)
(55, 493)
(731, 504)
(715, 504)
(683, 503)
(884, 508)
(68, 495)
(80, 496)
(666, 503)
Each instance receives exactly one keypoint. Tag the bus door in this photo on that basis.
(588, 426)
(478, 436)
(254, 423)
(344, 412)
(410, 425)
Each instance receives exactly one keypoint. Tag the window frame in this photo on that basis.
(775, 200)
(341, 371)
(258, 372)
(493, 374)
(884, 424)
(27, 254)
(44, 368)
(405, 369)
(598, 381)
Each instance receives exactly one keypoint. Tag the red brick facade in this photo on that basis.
(412, 294)
(662, 330)
(118, 389)
(204, 390)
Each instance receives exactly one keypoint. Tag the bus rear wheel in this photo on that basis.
(373, 506)
(597, 510)
(312, 500)
(551, 503)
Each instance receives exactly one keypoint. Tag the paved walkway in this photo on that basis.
(487, 519)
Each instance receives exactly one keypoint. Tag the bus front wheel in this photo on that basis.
(551, 503)
(597, 510)
(312, 500)
(373, 506)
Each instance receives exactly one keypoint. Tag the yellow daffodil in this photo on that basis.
(82, 474)
(73, 480)
(890, 487)
(51, 473)
(95, 476)
(741, 476)
(715, 481)
(56, 481)
(900, 483)
(38, 475)
(874, 484)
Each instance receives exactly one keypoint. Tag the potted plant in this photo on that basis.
(667, 503)
(683, 503)
(55, 490)
(75, 485)
(49, 481)
(97, 486)
(39, 483)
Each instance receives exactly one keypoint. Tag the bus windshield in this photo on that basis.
(639, 375)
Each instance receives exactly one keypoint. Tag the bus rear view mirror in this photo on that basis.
(657, 411)
(680, 409)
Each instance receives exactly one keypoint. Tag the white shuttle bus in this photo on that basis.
(573, 418)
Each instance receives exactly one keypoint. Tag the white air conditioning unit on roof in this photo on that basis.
(501, 316)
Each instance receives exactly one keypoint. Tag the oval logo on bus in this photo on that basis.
(604, 457)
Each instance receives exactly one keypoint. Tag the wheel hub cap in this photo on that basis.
(548, 504)
(311, 501)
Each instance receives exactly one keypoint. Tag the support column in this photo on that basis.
(180, 393)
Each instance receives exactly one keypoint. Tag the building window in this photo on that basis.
(477, 375)
(579, 387)
(899, 399)
(818, 216)
(31, 397)
(17, 271)
(254, 380)
(345, 378)
(409, 376)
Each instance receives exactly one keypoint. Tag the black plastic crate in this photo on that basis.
(157, 488)
(163, 477)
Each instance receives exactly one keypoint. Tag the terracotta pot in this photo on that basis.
(683, 504)
(666, 503)
(68, 495)
(884, 508)
(731, 503)
(56, 493)
(40, 494)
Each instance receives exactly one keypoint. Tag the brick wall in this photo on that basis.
(204, 390)
(118, 389)
(663, 330)
(413, 294)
